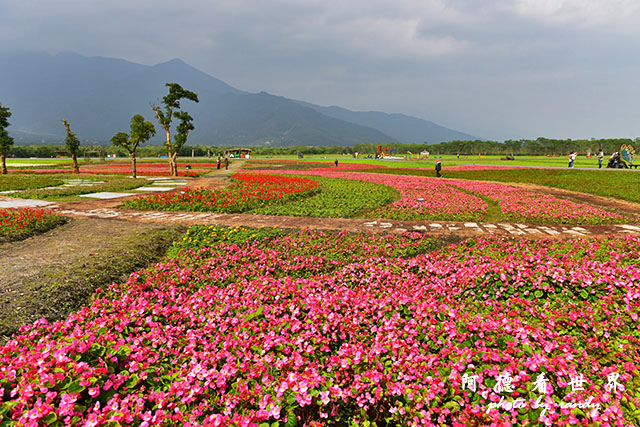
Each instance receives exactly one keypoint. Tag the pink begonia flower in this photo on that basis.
(383, 329)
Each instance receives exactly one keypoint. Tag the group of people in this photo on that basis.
(615, 161)
(226, 162)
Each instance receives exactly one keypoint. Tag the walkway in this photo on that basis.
(380, 225)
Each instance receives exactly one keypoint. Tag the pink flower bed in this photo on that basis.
(525, 205)
(246, 334)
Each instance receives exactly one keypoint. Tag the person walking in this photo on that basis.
(226, 163)
(572, 158)
(600, 157)
(438, 168)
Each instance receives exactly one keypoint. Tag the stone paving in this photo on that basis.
(22, 203)
(430, 227)
(104, 195)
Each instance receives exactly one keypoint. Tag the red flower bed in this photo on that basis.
(21, 223)
(250, 191)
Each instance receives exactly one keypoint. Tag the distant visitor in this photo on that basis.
(600, 157)
(438, 168)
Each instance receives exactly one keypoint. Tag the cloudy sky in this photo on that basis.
(493, 68)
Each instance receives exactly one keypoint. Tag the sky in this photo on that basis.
(497, 69)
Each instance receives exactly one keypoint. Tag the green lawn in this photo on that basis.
(449, 160)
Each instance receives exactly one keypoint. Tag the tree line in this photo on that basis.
(141, 131)
(533, 147)
(540, 146)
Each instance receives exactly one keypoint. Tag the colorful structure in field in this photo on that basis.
(628, 153)
(387, 151)
(241, 153)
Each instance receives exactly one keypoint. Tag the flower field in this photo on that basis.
(124, 168)
(458, 200)
(249, 191)
(262, 327)
(518, 204)
(609, 183)
(17, 224)
(420, 198)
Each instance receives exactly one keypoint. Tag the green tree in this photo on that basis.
(72, 143)
(5, 140)
(171, 104)
(141, 132)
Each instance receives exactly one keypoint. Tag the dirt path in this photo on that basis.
(435, 228)
(25, 261)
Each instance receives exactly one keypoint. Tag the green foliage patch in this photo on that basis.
(14, 181)
(338, 198)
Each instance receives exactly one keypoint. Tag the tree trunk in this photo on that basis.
(76, 168)
(169, 147)
(4, 164)
(174, 164)
(133, 165)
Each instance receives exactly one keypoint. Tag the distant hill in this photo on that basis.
(407, 129)
(100, 95)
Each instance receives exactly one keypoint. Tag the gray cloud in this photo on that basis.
(505, 68)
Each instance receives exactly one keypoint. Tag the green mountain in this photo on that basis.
(100, 95)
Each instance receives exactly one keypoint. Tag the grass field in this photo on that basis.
(414, 161)
(450, 160)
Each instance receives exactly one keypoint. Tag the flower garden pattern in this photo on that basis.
(249, 191)
(248, 331)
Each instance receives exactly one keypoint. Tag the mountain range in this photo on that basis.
(100, 95)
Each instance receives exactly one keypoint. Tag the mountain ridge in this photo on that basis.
(99, 95)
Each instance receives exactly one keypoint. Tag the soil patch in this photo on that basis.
(53, 274)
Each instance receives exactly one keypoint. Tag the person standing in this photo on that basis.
(226, 163)
(600, 157)
(572, 158)
(336, 162)
(438, 168)
(219, 161)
